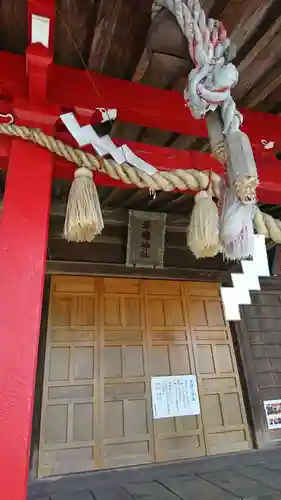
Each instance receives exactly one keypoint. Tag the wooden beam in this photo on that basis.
(119, 270)
(119, 217)
(23, 237)
(269, 83)
(136, 103)
(14, 20)
(162, 72)
(269, 170)
(261, 52)
(242, 19)
(115, 48)
(165, 37)
(75, 24)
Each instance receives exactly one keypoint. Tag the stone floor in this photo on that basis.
(254, 475)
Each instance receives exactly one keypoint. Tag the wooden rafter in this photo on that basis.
(115, 48)
(75, 24)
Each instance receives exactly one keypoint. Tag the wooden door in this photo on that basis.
(70, 394)
(126, 403)
(171, 354)
(106, 338)
(222, 407)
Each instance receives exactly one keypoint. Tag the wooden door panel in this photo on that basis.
(165, 313)
(55, 426)
(121, 312)
(171, 354)
(220, 393)
(59, 364)
(74, 284)
(62, 312)
(68, 440)
(127, 434)
(69, 411)
(126, 405)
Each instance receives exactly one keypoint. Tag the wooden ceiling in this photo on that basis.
(121, 38)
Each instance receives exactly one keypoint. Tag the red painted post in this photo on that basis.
(23, 242)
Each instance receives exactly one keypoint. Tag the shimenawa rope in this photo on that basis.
(209, 86)
(210, 82)
(182, 180)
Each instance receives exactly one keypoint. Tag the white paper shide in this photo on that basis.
(174, 396)
(248, 280)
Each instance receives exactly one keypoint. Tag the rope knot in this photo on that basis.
(83, 172)
(210, 83)
(209, 86)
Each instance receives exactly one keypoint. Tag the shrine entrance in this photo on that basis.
(106, 338)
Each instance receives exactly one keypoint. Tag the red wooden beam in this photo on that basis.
(136, 103)
(23, 245)
(269, 168)
(23, 241)
(31, 86)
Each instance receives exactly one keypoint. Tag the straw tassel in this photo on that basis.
(203, 231)
(83, 220)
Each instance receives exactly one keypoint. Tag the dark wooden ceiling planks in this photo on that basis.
(270, 100)
(120, 36)
(74, 31)
(263, 95)
(13, 25)
(173, 43)
(241, 18)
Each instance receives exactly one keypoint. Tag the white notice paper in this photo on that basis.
(273, 413)
(175, 396)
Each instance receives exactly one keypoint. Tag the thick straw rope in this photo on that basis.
(182, 180)
(210, 82)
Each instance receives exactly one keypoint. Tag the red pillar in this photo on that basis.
(23, 241)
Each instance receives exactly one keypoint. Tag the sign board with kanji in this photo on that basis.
(146, 239)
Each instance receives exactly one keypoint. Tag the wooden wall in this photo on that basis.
(107, 254)
(259, 338)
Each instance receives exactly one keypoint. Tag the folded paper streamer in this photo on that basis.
(83, 220)
(104, 145)
(107, 115)
(243, 283)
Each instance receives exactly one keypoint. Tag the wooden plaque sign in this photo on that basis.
(146, 239)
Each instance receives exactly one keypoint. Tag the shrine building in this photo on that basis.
(126, 337)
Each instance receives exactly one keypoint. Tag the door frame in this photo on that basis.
(38, 393)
